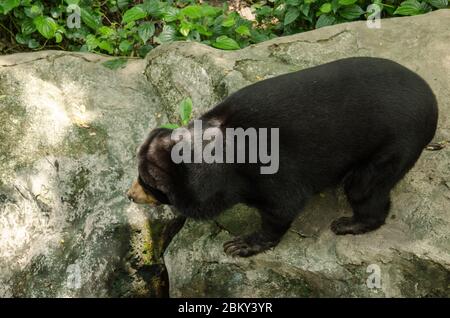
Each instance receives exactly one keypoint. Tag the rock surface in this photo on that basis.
(70, 130)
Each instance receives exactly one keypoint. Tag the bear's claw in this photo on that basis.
(348, 225)
(245, 246)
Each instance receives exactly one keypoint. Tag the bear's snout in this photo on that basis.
(137, 194)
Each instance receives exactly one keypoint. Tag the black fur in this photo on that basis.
(360, 121)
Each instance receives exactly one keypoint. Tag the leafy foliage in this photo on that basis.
(122, 27)
(133, 28)
(303, 15)
(185, 112)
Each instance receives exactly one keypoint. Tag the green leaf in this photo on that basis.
(129, 25)
(201, 29)
(115, 63)
(8, 5)
(91, 20)
(304, 8)
(125, 46)
(170, 14)
(347, 2)
(46, 26)
(71, 1)
(439, 4)
(58, 37)
(351, 12)
(264, 11)
(106, 31)
(409, 7)
(185, 110)
(133, 14)
(28, 27)
(225, 43)
(335, 5)
(146, 31)
(123, 3)
(192, 11)
(33, 11)
(243, 30)
(293, 2)
(168, 34)
(170, 126)
(325, 20)
(152, 7)
(33, 44)
(229, 21)
(143, 50)
(291, 15)
(22, 38)
(185, 28)
(325, 8)
(91, 42)
(279, 10)
(106, 46)
(210, 11)
(194, 35)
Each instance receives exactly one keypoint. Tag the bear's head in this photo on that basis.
(155, 170)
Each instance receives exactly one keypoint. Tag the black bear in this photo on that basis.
(361, 122)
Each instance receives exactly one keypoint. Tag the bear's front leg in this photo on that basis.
(272, 230)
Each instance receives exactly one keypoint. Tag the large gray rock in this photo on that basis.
(70, 128)
(69, 131)
(411, 252)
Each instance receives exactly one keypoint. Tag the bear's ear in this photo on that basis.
(160, 144)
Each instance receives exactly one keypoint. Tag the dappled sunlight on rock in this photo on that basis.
(31, 221)
(45, 103)
(24, 234)
(66, 153)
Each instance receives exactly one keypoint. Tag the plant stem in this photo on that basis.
(9, 31)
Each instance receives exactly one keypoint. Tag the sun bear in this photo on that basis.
(358, 122)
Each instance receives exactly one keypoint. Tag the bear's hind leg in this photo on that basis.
(368, 192)
(368, 215)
